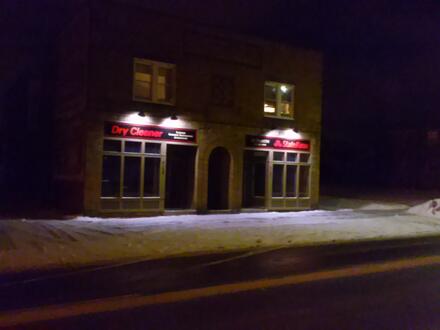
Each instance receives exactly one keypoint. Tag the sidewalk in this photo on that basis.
(45, 244)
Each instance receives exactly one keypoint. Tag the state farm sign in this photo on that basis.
(126, 130)
(276, 143)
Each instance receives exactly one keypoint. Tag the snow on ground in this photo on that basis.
(44, 244)
(331, 203)
(429, 209)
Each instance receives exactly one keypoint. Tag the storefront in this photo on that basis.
(276, 173)
(147, 168)
(152, 169)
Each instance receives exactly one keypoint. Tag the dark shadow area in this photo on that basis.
(254, 178)
(180, 176)
(218, 179)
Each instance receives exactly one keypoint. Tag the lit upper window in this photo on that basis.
(153, 81)
(278, 100)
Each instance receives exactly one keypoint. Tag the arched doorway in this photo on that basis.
(218, 179)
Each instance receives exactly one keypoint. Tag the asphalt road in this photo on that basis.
(363, 286)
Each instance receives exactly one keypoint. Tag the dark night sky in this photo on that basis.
(382, 58)
(381, 67)
(384, 53)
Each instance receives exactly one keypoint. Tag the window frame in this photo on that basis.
(155, 66)
(298, 180)
(277, 114)
(142, 199)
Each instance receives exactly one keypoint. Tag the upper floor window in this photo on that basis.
(278, 100)
(154, 81)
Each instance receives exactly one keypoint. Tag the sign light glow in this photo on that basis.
(276, 143)
(126, 130)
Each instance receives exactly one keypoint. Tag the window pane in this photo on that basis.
(270, 92)
(112, 145)
(278, 156)
(291, 181)
(151, 177)
(143, 72)
(270, 97)
(304, 181)
(285, 109)
(152, 148)
(169, 93)
(165, 84)
(270, 107)
(277, 180)
(142, 90)
(142, 80)
(286, 93)
(165, 76)
(161, 93)
(131, 146)
(291, 157)
(304, 158)
(132, 167)
(111, 166)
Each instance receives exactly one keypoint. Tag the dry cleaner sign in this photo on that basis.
(126, 130)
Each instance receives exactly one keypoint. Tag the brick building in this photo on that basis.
(156, 114)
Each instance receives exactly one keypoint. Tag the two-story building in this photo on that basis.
(156, 114)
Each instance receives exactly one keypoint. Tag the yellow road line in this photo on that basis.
(54, 312)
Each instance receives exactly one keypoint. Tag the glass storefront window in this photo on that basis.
(291, 181)
(110, 184)
(277, 180)
(290, 174)
(291, 157)
(124, 167)
(304, 158)
(132, 166)
(152, 148)
(112, 145)
(278, 156)
(132, 146)
(151, 177)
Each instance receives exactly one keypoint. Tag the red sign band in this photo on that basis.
(276, 143)
(126, 130)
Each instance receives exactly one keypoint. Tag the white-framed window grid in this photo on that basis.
(279, 100)
(125, 155)
(154, 81)
(293, 175)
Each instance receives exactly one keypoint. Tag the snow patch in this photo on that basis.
(430, 208)
(383, 207)
(331, 203)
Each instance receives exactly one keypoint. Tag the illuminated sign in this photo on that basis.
(276, 143)
(125, 130)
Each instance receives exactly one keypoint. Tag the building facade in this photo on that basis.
(155, 114)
